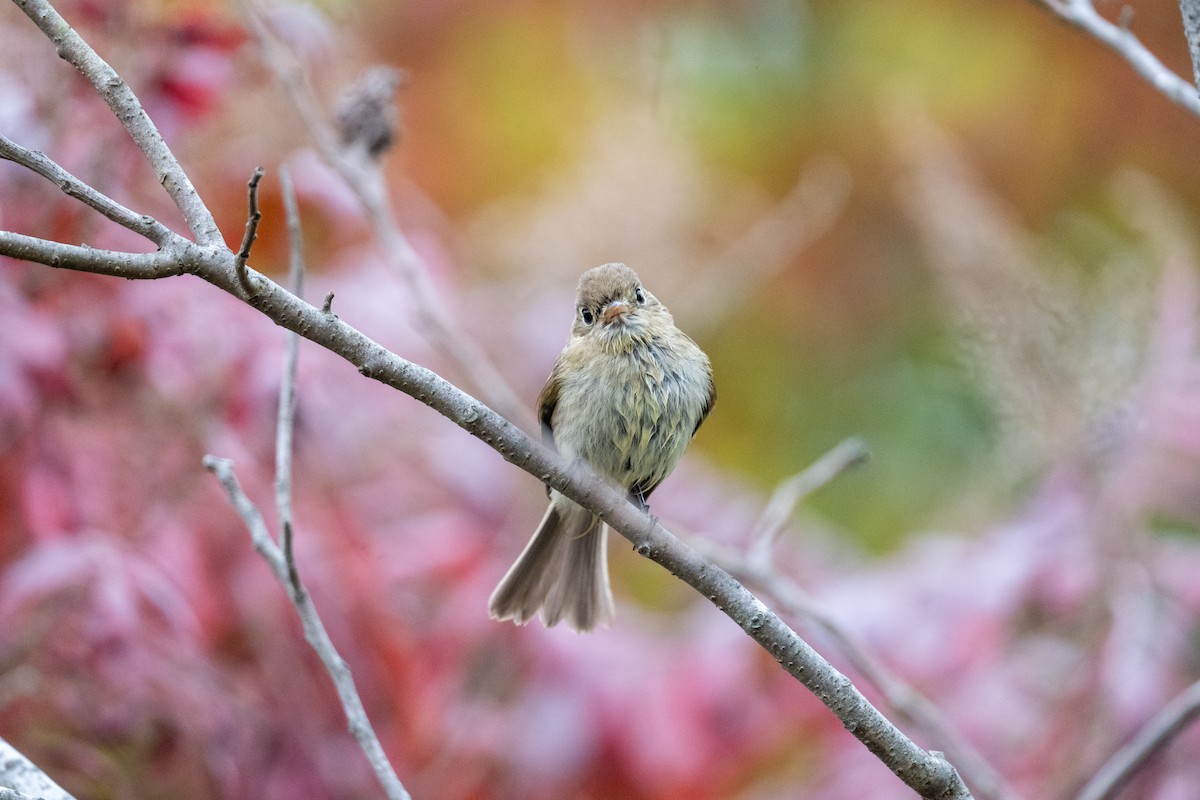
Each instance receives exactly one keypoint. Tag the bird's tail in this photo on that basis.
(562, 574)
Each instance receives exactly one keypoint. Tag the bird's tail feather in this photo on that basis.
(561, 575)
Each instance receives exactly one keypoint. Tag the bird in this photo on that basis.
(626, 396)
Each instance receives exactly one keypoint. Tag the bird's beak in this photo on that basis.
(615, 310)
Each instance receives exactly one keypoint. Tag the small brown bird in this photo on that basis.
(626, 395)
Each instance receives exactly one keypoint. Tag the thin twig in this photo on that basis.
(327, 306)
(128, 110)
(789, 494)
(287, 386)
(287, 392)
(141, 224)
(1167, 724)
(253, 218)
(1083, 15)
(287, 546)
(314, 629)
(260, 535)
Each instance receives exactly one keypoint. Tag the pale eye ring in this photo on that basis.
(587, 316)
(640, 296)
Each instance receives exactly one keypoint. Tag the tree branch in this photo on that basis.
(141, 224)
(128, 110)
(22, 779)
(1168, 723)
(756, 566)
(314, 630)
(1083, 15)
(281, 558)
(365, 179)
(287, 387)
(162, 264)
(900, 696)
(286, 423)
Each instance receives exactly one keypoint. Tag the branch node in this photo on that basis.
(327, 306)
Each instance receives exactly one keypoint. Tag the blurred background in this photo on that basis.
(961, 231)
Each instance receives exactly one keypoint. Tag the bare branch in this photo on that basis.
(282, 558)
(789, 494)
(291, 76)
(161, 264)
(928, 773)
(366, 180)
(21, 779)
(141, 224)
(911, 706)
(757, 566)
(128, 110)
(253, 218)
(314, 629)
(260, 535)
(287, 386)
(1083, 15)
(1168, 723)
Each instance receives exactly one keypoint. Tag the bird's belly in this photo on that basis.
(630, 419)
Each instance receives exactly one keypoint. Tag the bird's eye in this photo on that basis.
(586, 315)
(640, 296)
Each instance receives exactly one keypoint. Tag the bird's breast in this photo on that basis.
(631, 414)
